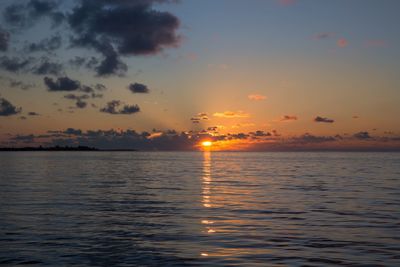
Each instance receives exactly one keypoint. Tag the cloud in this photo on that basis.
(12, 83)
(46, 45)
(26, 15)
(46, 67)
(260, 134)
(325, 120)
(14, 64)
(80, 103)
(113, 107)
(37, 66)
(362, 135)
(200, 116)
(4, 39)
(72, 131)
(342, 42)
(288, 118)
(33, 113)
(61, 84)
(122, 28)
(8, 109)
(309, 138)
(231, 114)
(138, 88)
(256, 97)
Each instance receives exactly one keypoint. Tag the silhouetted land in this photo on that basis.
(60, 148)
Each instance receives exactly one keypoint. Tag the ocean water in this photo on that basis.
(193, 209)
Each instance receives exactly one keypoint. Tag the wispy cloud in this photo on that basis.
(231, 114)
(256, 97)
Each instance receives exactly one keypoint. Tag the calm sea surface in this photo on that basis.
(188, 209)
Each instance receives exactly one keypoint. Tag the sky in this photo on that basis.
(258, 75)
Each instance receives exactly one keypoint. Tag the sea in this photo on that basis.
(199, 209)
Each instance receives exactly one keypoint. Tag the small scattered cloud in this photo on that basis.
(231, 114)
(256, 97)
(33, 113)
(322, 119)
(117, 107)
(355, 117)
(199, 117)
(61, 84)
(138, 88)
(362, 135)
(342, 43)
(287, 118)
(8, 109)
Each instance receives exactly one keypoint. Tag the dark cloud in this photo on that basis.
(115, 28)
(8, 109)
(138, 88)
(117, 107)
(260, 134)
(33, 113)
(4, 39)
(77, 62)
(25, 15)
(24, 138)
(76, 97)
(362, 135)
(309, 138)
(46, 45)
(15, 64)
(61, 84)
(321, 119)
(81, 104)
(72, 131)
(46, 67)
(41, 66)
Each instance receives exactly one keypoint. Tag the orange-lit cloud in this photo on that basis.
(256, 97)
(200, 116)
(231, 114)
(342, 42)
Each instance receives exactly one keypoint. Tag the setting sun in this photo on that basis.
(206, 143)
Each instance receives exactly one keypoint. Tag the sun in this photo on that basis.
(206, 143)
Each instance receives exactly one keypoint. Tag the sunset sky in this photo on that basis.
(165, 75)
